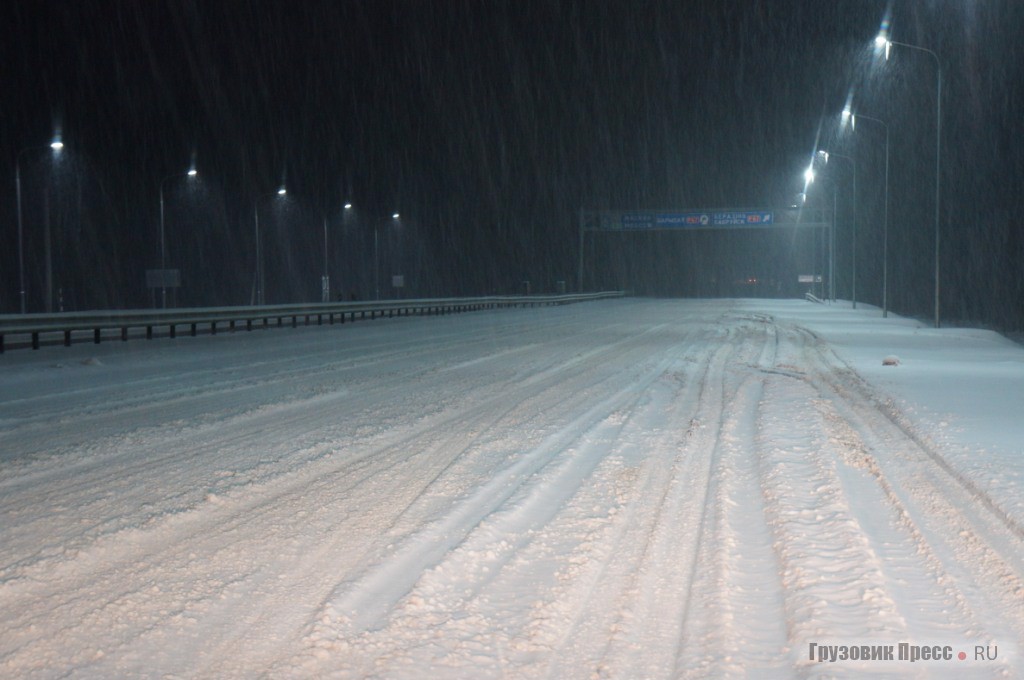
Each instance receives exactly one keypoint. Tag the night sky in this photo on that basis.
(488, 126)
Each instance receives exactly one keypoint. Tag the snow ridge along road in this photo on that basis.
(620, 489)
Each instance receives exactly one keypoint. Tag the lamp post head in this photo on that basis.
(823, 154)
(849, 117)
(882, 42)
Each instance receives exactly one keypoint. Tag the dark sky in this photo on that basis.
(488, 126)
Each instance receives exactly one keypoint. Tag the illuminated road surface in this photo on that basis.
(623, 489)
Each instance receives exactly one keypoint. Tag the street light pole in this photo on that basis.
(163, 254)
(56, 145)
(258, 299)
(376, 261)
(325, 281)
(376, 253)
(21, 245)
(885, 208)
(282, 191)
(883, 41)
(853, 164)
(809, 178)
(832, 243)
(163, 251)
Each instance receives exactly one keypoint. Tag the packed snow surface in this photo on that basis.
(620, 489)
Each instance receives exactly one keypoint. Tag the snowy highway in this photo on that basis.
(617, 489)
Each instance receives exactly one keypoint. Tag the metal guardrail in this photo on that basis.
(34, 330)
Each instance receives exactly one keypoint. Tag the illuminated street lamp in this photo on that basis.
(282, 191)
(56, 146)
(852, 117)
(192, 172)
(882, 41)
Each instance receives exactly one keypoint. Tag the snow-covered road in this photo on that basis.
(621, 489)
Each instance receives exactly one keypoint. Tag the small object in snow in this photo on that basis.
(891, 360)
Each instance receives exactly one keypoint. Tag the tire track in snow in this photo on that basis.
(599, 615)
(104, 408)
(738, 588)
(505, 552)
(136, 469)
(224, 521)
(364, 604)
(861, 562)
(644, 638)
(971, 558)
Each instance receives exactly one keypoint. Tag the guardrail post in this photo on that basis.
(171, 331)
(67, 338)
(35, 340)
(96, 334)
(124, 333)
(213, 328)
(149, 332)
(192, 330)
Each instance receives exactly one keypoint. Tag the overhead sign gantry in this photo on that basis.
(701, 219)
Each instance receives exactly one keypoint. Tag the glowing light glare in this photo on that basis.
(823, 154)
(882, 41)
(394, 216)
(848, 111)
(56, 144)
(849, 117)
(282, 191)
(348, 206)
(192, 172)
(809, 175)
